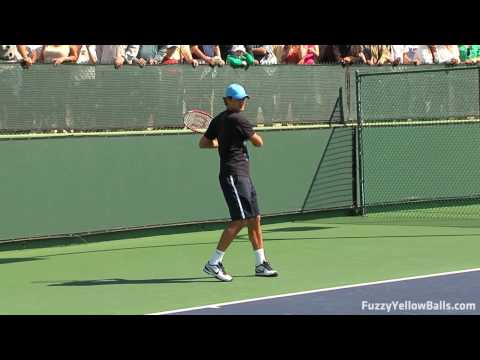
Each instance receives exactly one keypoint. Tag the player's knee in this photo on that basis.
(237, 224)
(253, 222)
(256, 219)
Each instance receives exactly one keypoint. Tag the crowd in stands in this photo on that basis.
(240, 56)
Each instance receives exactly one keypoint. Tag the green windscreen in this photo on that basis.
(83, 97)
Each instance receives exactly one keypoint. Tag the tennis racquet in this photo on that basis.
(197, 120)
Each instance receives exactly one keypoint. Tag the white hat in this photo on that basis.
(235, 48)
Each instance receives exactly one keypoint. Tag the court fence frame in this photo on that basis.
(371, 119)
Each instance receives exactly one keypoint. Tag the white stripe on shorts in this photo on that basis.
(238, 197)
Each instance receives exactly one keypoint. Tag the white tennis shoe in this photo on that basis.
(264, 269)
(218, 271)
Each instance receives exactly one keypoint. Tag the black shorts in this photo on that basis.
(240, 196)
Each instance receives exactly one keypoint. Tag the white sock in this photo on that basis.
(259, 256)
(216, 257)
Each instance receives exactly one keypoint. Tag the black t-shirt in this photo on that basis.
(231, 129)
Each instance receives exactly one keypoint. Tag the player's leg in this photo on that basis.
(262, 266)
(215, 266)
(229, 234)
(255, 232)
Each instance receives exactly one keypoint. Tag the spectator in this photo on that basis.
(105, 54)
(348, 54)
(469, 54)
(300, 54)
(326, 54)
(376, 54)
(115, 54)
(448, 54)
(9, 53)
(226, 50)
(186, 56)
(240, 57)
(128, 53)
(155, 54)
(58, 54)
(278, 51)
(291, 54)
(426, 54)
(180, 54)
(86, 54)
(263, 54)
(410, 55)
(309, 54)
(207, 54)
(28, 54)
(398, 54)
(174, 58)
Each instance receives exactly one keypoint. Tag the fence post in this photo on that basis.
(359, 200)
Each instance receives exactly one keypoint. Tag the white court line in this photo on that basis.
(216, 306)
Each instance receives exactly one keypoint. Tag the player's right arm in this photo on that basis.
(209, 139)
(206, 143)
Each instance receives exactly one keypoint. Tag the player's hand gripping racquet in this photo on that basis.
(197, 120)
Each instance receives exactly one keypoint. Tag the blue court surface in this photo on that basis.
(455, 293)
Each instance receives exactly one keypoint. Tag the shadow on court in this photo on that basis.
(184, 280)
(298, 228)
(129, 234)
(241, 238)
(15, 260)
(213, 242)
(245, 236)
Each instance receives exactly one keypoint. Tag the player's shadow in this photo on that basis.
(184, 280)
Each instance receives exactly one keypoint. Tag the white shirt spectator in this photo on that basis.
(83, 57)
(424, 54)
(397, 53)
(447, 53)
(129, 52)
(9, 53)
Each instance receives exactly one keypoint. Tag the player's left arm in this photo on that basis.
(248, 133)
(256, 140)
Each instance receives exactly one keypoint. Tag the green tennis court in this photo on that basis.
(153, 271)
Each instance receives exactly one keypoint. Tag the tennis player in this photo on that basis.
(228, 132)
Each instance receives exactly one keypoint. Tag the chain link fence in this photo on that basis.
(84, 97)
(419, 145)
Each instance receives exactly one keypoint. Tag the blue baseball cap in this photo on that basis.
(236, 92)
